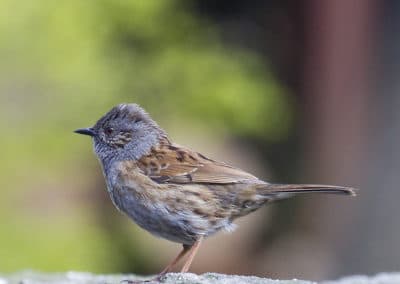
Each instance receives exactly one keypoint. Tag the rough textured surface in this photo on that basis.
(208, 278)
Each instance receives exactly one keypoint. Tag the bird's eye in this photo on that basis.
(108, 130)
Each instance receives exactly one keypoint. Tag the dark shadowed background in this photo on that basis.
(292, 91)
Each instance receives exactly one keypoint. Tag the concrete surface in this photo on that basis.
(30, 277)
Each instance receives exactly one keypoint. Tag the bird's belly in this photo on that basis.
(157, 217)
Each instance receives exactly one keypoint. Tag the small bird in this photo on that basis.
(174, 192)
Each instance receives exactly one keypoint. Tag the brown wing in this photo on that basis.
(174, 164)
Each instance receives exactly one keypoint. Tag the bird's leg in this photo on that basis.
(168, 268)
(192, 249)
(192, 252)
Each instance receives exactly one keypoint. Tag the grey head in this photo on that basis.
(126, 132)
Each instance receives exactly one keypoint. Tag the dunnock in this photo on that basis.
(174, 192)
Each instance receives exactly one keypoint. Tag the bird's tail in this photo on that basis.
(305, 188)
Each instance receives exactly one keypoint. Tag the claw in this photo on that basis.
(159, 278)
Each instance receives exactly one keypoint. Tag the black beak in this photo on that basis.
(85, 131)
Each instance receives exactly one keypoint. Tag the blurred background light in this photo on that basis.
(286, 90)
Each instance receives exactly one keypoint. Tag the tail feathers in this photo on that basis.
(307, 188)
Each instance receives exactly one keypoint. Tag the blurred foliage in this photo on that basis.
(64, 63)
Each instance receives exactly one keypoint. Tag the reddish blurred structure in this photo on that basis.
(341, 60)
(340, 41)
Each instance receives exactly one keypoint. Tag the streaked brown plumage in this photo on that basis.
(174, 192)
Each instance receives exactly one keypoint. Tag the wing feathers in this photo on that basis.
(175, 164)
(170, 163)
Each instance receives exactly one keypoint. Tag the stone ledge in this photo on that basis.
(189, 278)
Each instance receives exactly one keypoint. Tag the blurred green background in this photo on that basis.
(258, 85)
(63, 65)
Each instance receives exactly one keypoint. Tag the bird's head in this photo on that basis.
(126, 132)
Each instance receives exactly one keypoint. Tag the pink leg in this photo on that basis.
(186, 248)
(168, 268)
(192, 252)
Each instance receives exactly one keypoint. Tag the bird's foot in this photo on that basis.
(158, 279)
